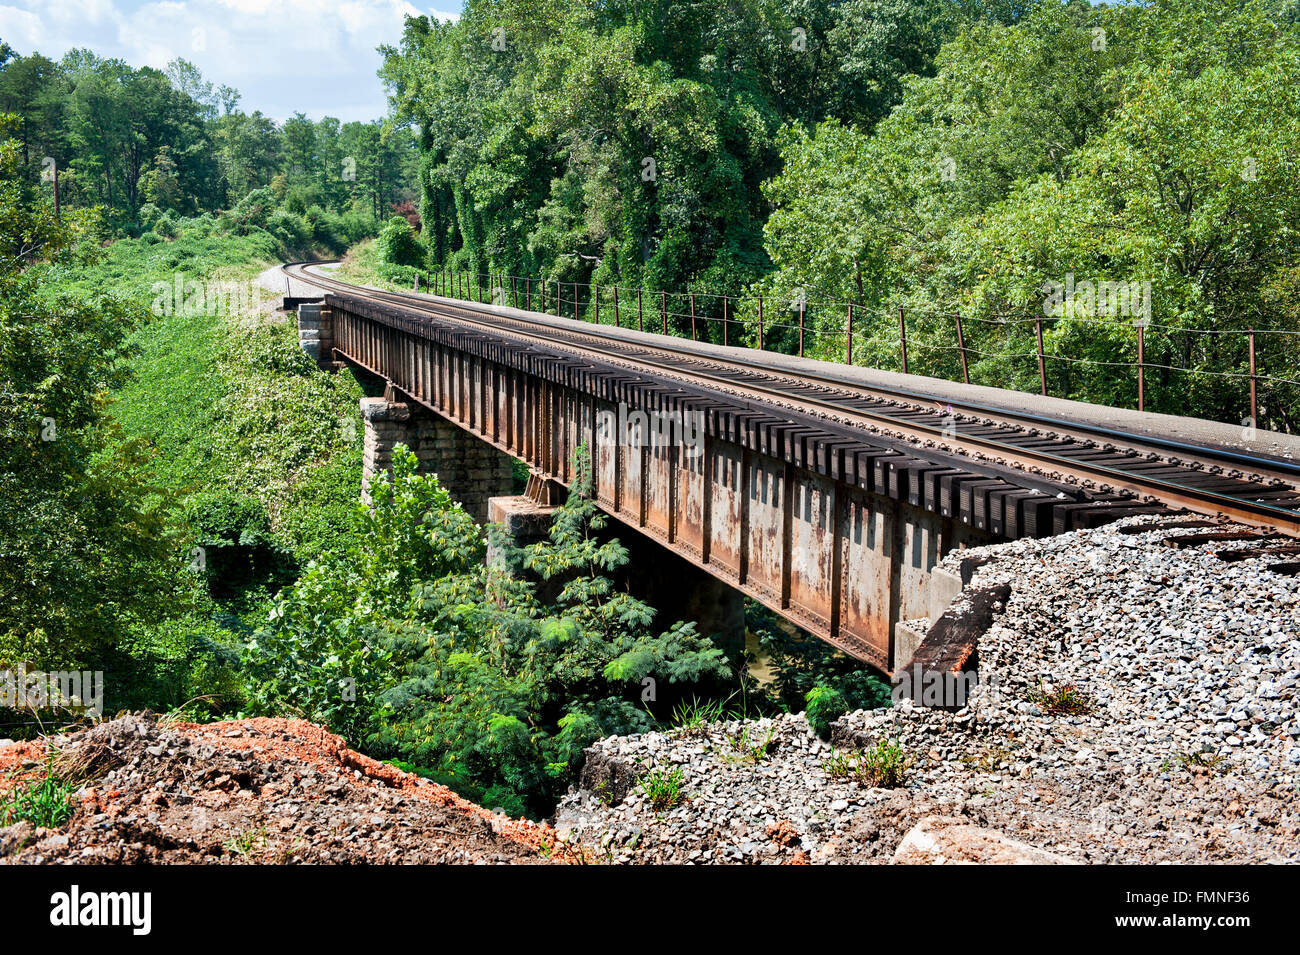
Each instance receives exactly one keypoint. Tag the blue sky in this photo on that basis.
(317, 56)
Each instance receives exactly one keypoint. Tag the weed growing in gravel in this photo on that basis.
(242, 843)
(746, 750)
(43, 802)
(1201, 762)
(664, 789)
(692, 716)
(884, 764)
(839, 765)
(1065, 700)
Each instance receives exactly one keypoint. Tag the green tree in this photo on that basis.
(85, 547)
(410, 642)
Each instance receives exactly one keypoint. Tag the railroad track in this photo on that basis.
(1083, 464)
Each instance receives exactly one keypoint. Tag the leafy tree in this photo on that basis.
(456, 665)
(399, 245)
(626, 143)
(86, 550)
(1159, 154)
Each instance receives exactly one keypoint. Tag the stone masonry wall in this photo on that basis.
(470, 469)
(316, 331)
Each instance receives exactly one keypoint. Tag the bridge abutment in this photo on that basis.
(471, 470)
(316, 331)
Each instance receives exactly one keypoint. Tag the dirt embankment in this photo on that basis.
(250, 791)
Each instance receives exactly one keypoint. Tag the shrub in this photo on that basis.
(166, 226)
(236, 547)
(253, 211)
(289, 228)
(824, 705)
(399, 245)
(148, 215)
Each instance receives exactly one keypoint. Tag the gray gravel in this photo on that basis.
(1190, 751)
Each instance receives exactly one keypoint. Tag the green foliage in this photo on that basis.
(1064, 700)
(695, 715)
(456, 665)
(173, 429)
(399, 245)
(664, 788)
(627, 144)
(1150, 144)
(86, 548)
(883, 764)
(188, 664)
(800, 663)
(824, 706)
(44, 802)
(153, 148)
(748, 747)
(1200, 762)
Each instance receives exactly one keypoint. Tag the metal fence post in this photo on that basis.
(1042, 366)
(961, 344)
(1254, 404)
(692, 316)
(760, 323)
(802, 306)
(848, 348)
(1142, 372)
(902, 337)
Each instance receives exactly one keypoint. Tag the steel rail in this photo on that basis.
(1200, 500)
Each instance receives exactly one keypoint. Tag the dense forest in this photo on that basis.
(943, 156)
(152, 148)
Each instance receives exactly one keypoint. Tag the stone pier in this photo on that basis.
(470, 469)
(524, 522)
(316, 332)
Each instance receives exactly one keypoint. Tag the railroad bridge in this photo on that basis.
(826, 492)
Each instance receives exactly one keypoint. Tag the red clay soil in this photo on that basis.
(272, 739)
(254, 790)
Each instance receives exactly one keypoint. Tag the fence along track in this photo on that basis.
(1101, 464)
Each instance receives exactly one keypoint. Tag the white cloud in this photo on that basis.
(21, 28)
(318, 56)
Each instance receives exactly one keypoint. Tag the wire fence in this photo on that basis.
(860, 335)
